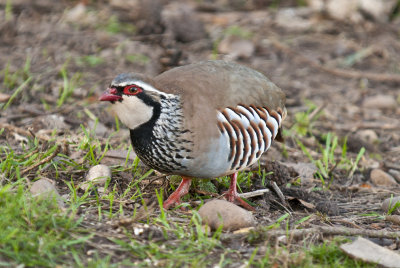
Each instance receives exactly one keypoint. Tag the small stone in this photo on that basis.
(4, 97)
(77, 13)
(217, 212)
(381, 178)
(97, 175)
(380, 10)
(295, 19)
(306, 171)
(45, 188)
(236, 47)
(99, 128)
(395, 174)
(393, 219)
(367, 251)
(183, 23)
(367, 135)
(380, 102)
(388, 203)
(54, 121)
(343, 10)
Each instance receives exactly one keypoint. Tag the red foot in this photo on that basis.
(232, 196)
(175, 197)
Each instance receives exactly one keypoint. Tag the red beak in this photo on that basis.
(110, 95)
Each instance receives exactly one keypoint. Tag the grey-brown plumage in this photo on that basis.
(206, 119)
(215, 85)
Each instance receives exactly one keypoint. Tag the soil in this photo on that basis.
(330, 65)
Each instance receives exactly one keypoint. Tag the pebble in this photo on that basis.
(97, 175)
(233, 217)
(295, 19)
(367, 135)
(54, 121)
(45, 188)
(392, 201)
(306, 171)
(380, 102)
(183, 22)
(367, 251)
(381, 178)
(4, 97)
(380, 10)
(236, 47)
(99, 128)
(395, 174)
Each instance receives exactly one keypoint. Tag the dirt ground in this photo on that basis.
(342, 76)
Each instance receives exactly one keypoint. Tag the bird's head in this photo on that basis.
(134, 99)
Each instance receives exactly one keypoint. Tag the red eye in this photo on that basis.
(132, 90)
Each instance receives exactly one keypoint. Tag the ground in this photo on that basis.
(341, 79)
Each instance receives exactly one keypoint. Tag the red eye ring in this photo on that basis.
(132, 90)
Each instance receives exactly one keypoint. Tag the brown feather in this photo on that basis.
(206, 87)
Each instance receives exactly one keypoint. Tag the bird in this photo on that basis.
(202, 120)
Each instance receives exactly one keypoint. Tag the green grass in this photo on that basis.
(34, 232)
(43, 235)
(70, 83)
(329, 160)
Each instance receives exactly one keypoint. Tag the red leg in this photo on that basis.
(175, 197)
(232, 196)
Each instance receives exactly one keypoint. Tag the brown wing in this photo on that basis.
(214, 85)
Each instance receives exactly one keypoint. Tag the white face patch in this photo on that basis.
(132, 111)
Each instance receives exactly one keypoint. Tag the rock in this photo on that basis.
(395, 174)
(236, 47)
(295, 19)
(99, 128)
(380, 102)
(355, 10)
(388, 203)
(45, 188)
(343, 10)
(367, 251)
(133, 5)
(393, 219)
(233, 217)
(4, 97)
(75, 14)
(305, 170)
(97, 175)
(150, 21)
(379, 10)
(367, 135)
(183, 23)
(54, 121)
(381, 178)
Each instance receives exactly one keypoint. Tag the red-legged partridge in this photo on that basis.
(203, 120)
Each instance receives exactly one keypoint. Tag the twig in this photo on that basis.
(244, 195)
(22, 131)
(324, 230)
(45, 160)
(316, 111)
(335, 71)
(392, 166)
(278, 192)
(254, 193)
(364, 125)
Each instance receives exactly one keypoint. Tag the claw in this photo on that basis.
(232, 196)
(175, 197)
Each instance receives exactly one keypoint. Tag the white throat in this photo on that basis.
(132, 111)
